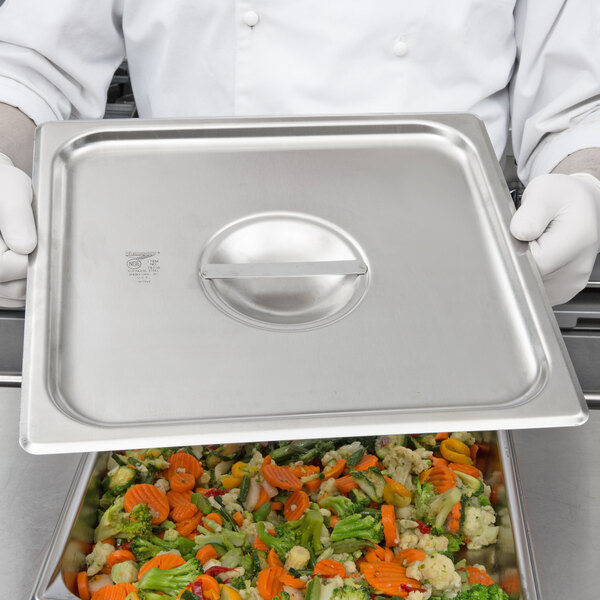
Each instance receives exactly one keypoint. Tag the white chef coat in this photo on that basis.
(302, 57)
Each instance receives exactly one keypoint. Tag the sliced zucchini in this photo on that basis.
(364, 484)
(359, 497)
(375, 476)
(474, 486)
(125, 475)
(441, 506)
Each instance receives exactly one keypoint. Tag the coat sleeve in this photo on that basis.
(57, 58)
(555, 90)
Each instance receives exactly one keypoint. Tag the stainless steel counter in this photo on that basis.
(558, 468)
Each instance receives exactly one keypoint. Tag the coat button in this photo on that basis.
(250, 18)
(400, 48)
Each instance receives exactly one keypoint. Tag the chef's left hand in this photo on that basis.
(560, 218)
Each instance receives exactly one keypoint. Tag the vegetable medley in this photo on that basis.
(363, 519)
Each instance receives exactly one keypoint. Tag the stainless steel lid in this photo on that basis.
(236, 280)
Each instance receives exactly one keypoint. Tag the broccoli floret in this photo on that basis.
(483, 592)
(282, 596)
(171, 581)
(227, 538)
(342, 506)
(357, 526)
(117, 523)
(350, 592)
(283, 540)
(309, 531)
(422, 496)
(239, 583)
(454, 542)
(145, 548)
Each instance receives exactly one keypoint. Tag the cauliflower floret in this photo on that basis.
(297, 558)
(418, 595)
(250, 593)
(163, 485)
(400, 462)
(406, 512)
(407, 524)
(171, 535)
(126, 571)
(330, 457)
(423, 452)
(97, 558)
(350, 567)
(329, 584)
(464, 436)
(439, 571)
(327, 489)
(349, 449)
(248, 528)
(257, 459)
(431, 543)
(479, 526)
(205, 478)
(230, 501)
(408, 539)
(171, 551)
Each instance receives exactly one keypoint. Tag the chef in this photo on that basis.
(535, 60)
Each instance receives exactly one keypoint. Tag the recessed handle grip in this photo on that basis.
(283, 269)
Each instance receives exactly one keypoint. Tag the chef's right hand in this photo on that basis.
(17, 232)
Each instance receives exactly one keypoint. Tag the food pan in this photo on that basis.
(511, 555)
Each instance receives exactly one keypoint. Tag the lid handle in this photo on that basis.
(283, 269)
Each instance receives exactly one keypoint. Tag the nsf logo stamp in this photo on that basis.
(142, 267)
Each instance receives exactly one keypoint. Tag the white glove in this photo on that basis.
(560, 218)
(17, 232)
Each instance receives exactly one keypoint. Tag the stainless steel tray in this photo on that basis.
(74, 530)
(238, 280)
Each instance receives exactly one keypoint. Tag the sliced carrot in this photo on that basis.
(389, 578)
(313, 485)
(128, 587)
(468, 469)
(183, 511)
(210, 587)
(453, 520)
(478, 576)
(262, 498)
(189, 526)
(238, 517)
(409, 555)
(119, 556)
(390, 529)
(216, 517)
(276, 505)
(176, 498)
(206, 553)
(288, 579)
(345, 484)
(109, 592)
(182, 482)
(329, 568)
(258, 544)
(296, 505)
(442, 478)
(436, 462)
(367, 461)
(335, 470)
(144, 493)
(303, 470)
(511, 583)
(273, 560)
(268, 582)
(162, 561)
(389, 555)
(280, 477)
(375, 555)
(110, 540)
(82, 586)
(441, 436)
(185, 461)
(333, 521)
